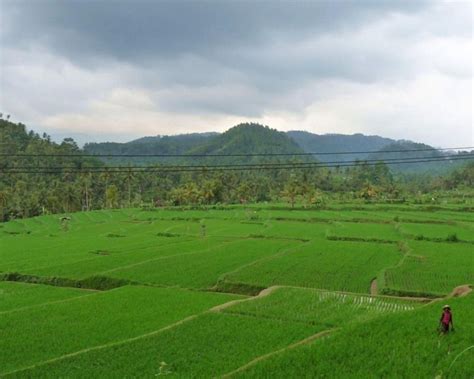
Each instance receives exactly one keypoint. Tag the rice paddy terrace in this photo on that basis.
(254, 291)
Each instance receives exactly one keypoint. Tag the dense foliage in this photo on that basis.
(30, 193)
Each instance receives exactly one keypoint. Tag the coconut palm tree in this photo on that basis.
(3, 204)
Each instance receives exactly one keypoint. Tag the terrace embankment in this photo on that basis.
(100, 283)
(262, 293)
(461, 291)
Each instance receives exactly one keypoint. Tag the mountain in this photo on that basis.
(404, 150)
(178, 144)
(383, 147)
(330, 143)
(180, 138)
(249, 138)
(243, 139)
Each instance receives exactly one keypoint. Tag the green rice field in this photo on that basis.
(351, 291)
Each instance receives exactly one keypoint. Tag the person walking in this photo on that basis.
(446, 320)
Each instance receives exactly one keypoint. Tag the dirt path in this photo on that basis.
(263, 293)
(276, 352)
(373, 287)
(461, 291)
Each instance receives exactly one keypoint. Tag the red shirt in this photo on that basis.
(446, 318)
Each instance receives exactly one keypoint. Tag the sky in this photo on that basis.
(117, 70)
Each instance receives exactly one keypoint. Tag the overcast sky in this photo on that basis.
(116, 70)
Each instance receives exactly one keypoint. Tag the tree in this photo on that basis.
(70, 198)
(3, 204)
(209, 191)
(129, 186)
(105, 177)
(112, 196)
(86, 183)
(291, 191)
(244, 192)
(369, 192)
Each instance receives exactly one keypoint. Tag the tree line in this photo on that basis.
(31, 194)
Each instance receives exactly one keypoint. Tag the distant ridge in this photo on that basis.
(324, 143)
(252, 138)
(400, 146)
(177, 137)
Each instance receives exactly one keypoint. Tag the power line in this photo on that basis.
(128, 168)
(204, 169)
(79, 155)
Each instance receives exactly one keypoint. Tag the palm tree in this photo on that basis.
(291, 191)
(3, 203)
(105, 177)
(208, 191)
(112, 196)
(86, 182)
(129, 184)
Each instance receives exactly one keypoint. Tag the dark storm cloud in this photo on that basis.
(137, 30)
(208, 43)
(114, 66)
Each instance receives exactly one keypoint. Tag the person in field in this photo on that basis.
(446, 320)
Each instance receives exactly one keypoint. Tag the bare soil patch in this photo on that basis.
(374, 290)
(461, 291)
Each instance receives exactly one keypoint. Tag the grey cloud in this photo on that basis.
(232, 58)
(133, 31)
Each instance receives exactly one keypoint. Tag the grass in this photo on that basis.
(432, 268)
(143, 329)
(323, 308)
(202, 269)
(94, 264)
(20, 295)
(56, 329)
(397, 345)
(437, 232)
(210, 345)
(247, 330)
(381, 232)
(321, 264)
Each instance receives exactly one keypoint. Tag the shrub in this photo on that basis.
(453, 237)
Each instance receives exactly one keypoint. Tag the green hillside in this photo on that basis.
(179, 144)
(248, 139)
(331, 143)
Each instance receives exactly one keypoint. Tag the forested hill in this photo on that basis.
(16, 139)
(179, 144)
(241, 139)
(405, 150)
(330, 143)
(184, 139)
(28, 191)
(249, 139)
